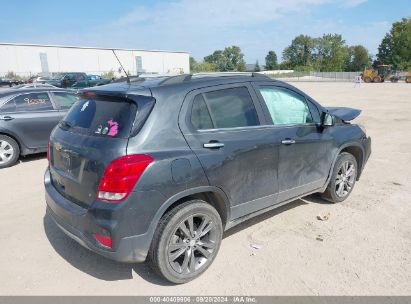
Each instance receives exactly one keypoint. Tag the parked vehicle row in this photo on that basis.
(156, 170)
(76, 80)
(9, 82)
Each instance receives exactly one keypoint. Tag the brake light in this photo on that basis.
(104, 240)
(121, 175)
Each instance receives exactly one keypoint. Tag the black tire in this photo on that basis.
(367, 79)
(6, 144)
(170, 241)
(377, 79)
(333, 193)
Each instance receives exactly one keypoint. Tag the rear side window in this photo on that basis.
(227, 108)
(200, 117)
(108, 117)
(29, 102)
(65, 100)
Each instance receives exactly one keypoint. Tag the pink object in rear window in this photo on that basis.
(113, 128)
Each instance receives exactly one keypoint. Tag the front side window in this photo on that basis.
(32, 102)
(65, 100)
(226, 108)
(285, 107)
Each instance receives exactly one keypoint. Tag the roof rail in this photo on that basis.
(218, 74)
(173, 79)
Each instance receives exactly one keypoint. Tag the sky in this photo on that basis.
(197, 27)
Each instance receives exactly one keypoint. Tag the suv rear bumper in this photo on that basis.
(79, 223)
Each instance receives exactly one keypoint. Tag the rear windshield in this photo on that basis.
(101, 117)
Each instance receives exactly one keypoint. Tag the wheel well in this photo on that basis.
(212, 198)
(12, 137)
(357, 153)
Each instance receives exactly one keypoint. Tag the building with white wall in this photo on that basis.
(32, 59)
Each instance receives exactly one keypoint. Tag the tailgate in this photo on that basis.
(94, 132)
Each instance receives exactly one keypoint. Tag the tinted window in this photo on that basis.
(102, 117)
(285, 107)
(32, 102)
(65, 100)
(231, 108)
(200, 117)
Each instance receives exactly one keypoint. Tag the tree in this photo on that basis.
(300, 52)
(395, 47)
(331, 53)
(358, 58)
(231, 59)
(193, 64)
(257, 67)
(217, 58)
(271, 61)
(108, 74)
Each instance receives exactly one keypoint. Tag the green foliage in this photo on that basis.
(301, 51)
(13, 76)
(203, 66)
(193, 64)
(230, 59)
(108, 74)
(328, 53)
(257, 67)
(358, 58)
(271, 62)
(331, 53)
(395, 47)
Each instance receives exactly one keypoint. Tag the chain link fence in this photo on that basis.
(316, 76)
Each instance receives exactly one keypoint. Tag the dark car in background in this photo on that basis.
(9, 82)
(159, 168)
(75, 80)
(27, 117)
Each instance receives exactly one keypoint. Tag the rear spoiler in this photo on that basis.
(346, 114)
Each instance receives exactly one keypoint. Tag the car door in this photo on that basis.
(31, 117)
(224, 126)
(64, 101)
(303, 146)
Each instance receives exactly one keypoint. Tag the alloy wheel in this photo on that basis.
(6, 152)
(192, 245)
(345, 179)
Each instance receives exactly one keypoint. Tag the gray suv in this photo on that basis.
(27, 117)
(157, 169)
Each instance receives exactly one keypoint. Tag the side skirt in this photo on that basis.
(244, 218)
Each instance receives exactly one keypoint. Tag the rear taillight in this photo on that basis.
(121, 175)
(103, 240)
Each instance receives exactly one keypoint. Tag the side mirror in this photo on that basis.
(327, 120)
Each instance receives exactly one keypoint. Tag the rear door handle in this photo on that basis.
(288, 141)
(213, 145)
(6, 118)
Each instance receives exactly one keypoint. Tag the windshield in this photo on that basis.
(106, 117)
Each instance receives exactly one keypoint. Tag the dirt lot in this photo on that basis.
(363, 249)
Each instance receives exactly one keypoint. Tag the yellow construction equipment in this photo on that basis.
(380, 74)
(384, 72)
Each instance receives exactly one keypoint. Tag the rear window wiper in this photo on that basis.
(66, 124)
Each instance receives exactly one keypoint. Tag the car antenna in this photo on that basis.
(128, 78)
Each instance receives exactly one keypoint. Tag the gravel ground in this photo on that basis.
(364, 248)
